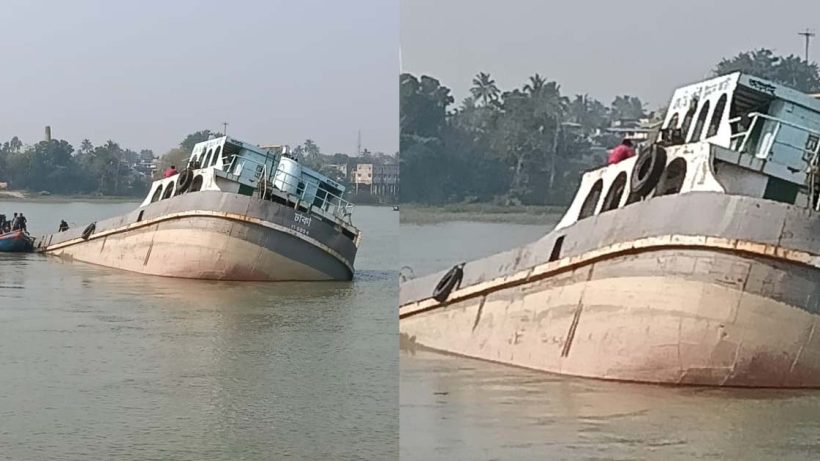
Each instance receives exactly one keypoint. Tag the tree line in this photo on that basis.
(529, 145)
(56, 167)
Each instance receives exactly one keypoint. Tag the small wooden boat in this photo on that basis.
(17, 241)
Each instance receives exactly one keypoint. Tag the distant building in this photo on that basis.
(340, 168)
(636, 130)
(364, 175)
(146, 168)
(380, 179)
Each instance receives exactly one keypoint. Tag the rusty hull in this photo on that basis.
(700, 289)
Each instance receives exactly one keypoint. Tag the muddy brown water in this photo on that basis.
(456, 408)
(97, 363)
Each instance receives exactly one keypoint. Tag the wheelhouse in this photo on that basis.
(269, 172)
(735, 134)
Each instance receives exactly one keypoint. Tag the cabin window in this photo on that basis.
(672, 180)
(196, 184)
(215, 157)
(616, 192)
(673, 122)
(687, 119)
(157, 194)
(217, 153)
(207, 159)
(169, 190)
(717, 116)
(591, 202)
(698, 130)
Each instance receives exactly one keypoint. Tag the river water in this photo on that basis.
(454, 408)
(97, 363)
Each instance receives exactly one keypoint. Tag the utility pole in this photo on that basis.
(359, 145)
(808, 35)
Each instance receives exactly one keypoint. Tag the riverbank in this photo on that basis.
(480, 212)
(22, 196)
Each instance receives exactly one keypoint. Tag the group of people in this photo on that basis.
(18, 222)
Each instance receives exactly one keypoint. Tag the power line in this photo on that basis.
(808, 34)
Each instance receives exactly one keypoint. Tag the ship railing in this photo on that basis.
(315, 197)
(810, 151)
(268, 178)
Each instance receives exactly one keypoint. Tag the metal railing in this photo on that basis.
(740, 142)
(268, 180)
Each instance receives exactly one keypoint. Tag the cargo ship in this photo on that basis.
(237, 211)
(696, 262)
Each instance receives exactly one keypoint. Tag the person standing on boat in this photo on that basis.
(622, 152)
(15, 222)
(22, 224)
(170, 171)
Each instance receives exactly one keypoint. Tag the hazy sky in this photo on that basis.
(147, 73)
(604, 48)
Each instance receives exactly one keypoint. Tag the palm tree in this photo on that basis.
(551, 107)
(86, 146)
(484, 88)
(535, 85)
(15, 144)
(627, 108)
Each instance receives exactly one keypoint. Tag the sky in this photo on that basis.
(147, 73)
(645, 48)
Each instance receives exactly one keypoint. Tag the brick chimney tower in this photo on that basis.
(48, 133)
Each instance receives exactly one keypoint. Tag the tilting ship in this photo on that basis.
(236, 212)
(695, 262)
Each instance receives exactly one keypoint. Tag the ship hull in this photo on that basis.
(707, 306)
(213, 236)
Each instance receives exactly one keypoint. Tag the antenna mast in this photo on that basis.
(808, 34)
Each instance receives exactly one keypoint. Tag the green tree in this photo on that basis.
(627, 108)
(764, 63)
(484, 88)
(423, 105)
(86, 146)
(588, 112)
(192, 139)
(423, 118)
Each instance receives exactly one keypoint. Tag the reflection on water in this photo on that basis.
(98, 363)
(455, 408)
(458, 408)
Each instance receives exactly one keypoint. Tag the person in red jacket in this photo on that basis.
(170, 171)
(621, 152)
